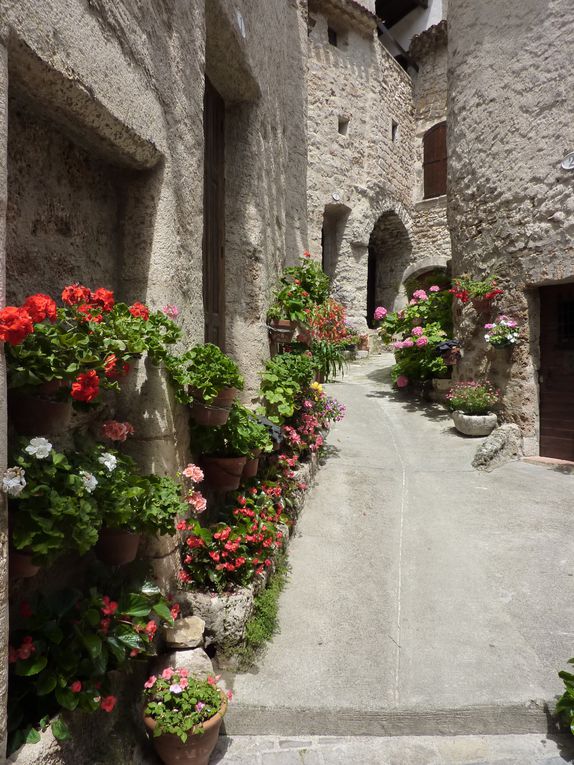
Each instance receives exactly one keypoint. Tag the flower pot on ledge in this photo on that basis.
(223, 473)
(251, 466)
(215, 413)
(116, 547)
(38, 412)
(20, 565)
(281, 330)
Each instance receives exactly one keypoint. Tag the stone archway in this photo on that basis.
(390, 252)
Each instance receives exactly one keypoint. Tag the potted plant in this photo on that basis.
(502, 333)
(282, 381)
(257, 437)
(481, 292)
(471, 404)
(225, 449)
(183, 716)
(51, 507)
(208, 380)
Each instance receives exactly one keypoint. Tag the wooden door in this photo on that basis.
(214, 217)
(557, 371)
(434, 161)
(371, 287)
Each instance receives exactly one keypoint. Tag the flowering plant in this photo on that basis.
(62, 646)
(504, 331)
(327, 321)
(52, 509)
(87, 342)
(300, 288)
(202, 372)
(242, 435)
(472, 397)
(284, 378)
(464, 288)
(565, 704)
(180, 704)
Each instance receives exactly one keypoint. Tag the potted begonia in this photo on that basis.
(208, 380)
(51, 507)
(183, 715)
(471, 405)
(502, 333)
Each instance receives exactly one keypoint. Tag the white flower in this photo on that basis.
(487, 338)
(90, 480)
(13, 481)
(39, 448)
(109, 460)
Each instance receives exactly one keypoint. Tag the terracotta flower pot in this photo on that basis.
(481, 305)
(251, 466)
(223, 473)
(198, 747)
(281, 330)
(116, 547)
(304, 336)
(38, 413)
(217, 411)
(20, 565)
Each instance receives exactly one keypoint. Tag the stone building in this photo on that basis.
(511, 202)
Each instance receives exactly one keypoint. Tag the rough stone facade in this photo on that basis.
(510, 208)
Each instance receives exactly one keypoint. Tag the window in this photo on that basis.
(394, 131)
(343, 125)
(434, 161)
(332, 35)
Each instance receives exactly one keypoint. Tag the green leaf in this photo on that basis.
(92, 643)
(66, 698)
(136, 605)
(46, 683)
(162, 610)
(32, 737)
(60, 730)
(32, 666)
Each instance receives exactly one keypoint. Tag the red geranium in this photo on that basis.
(15, 325)
(104, 298)
(40, 307)
(90, 312)
(86, 386)
(75, 294)
(139, 310)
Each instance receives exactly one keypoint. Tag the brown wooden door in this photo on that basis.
(214, 217)
(557, 371)
(434, 161)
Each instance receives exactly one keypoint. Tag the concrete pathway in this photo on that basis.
(425, 597)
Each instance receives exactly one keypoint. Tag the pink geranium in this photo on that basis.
(150, 682)
(418, 331)
(193, 472)
(422, 341)
(402, 381)
(380, 313)
(434, 288)
(197, 501)
(408, 343)
(117, 431)
(420, 295)
(171, 310)
(398, 345)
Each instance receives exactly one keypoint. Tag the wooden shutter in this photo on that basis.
(434, 161)
(214, 217)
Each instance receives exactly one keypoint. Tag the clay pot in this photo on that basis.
(223, 473)
(198, 747)
(116, 547)
(304, 336)
(474, 424)
(481, 305)
(217, 411)
(281, 330)
(38, 413)
(364, 343)
(251, 466)
(20, 565)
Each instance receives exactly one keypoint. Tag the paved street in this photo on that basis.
(425, 597)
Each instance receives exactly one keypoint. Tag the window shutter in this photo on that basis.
(434, 161)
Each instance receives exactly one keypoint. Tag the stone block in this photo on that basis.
(185, 633)
(503, 445)
(195, 660)
(225, 615)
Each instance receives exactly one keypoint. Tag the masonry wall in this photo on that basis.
(511, 207)
(356, 177)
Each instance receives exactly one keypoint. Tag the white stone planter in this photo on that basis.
(474, 424)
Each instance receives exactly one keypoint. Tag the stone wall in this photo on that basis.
(368, 170)
(511, 208)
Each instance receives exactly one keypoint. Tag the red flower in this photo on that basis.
(105, 625)
(75, 294)
(27, 648)
(108, 703)
(86, 386)
(139, 310)
(151, 629)
(493, 293)
(306, 254)
(40, 307)
(25, 610)
(110, 364)
(109, 607)
(15, 325)
(76, 686)
(174, 610)
(104, 298)
(12, 655)
(89, 313)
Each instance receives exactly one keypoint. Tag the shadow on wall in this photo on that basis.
(390, 253)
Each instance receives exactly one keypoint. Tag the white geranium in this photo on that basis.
(89, 479)
(13, 481)
(108, 460)
(39, 448)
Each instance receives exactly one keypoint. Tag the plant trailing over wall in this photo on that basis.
(283, 379)
(202, 372)
(464, 288)
(63, 644)
(473, 397)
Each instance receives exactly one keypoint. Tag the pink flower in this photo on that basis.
(199, 706)
(489, 326)
(175, 688)
(198, 501)
(380, 313)
(418, 331)
(168, 673)
(117, 431)
(108, 703)
(398, 345)
(229, 695)
(422, 341)
(150, 682)
(420, 295)
(171, 310)
(408, 343)
(193, 472)
(76, 686)
(402, 381)
(434, 288)
(213, 680)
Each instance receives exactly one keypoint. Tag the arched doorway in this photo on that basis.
(390, 252)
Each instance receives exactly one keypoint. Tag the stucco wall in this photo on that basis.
(511, 207)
